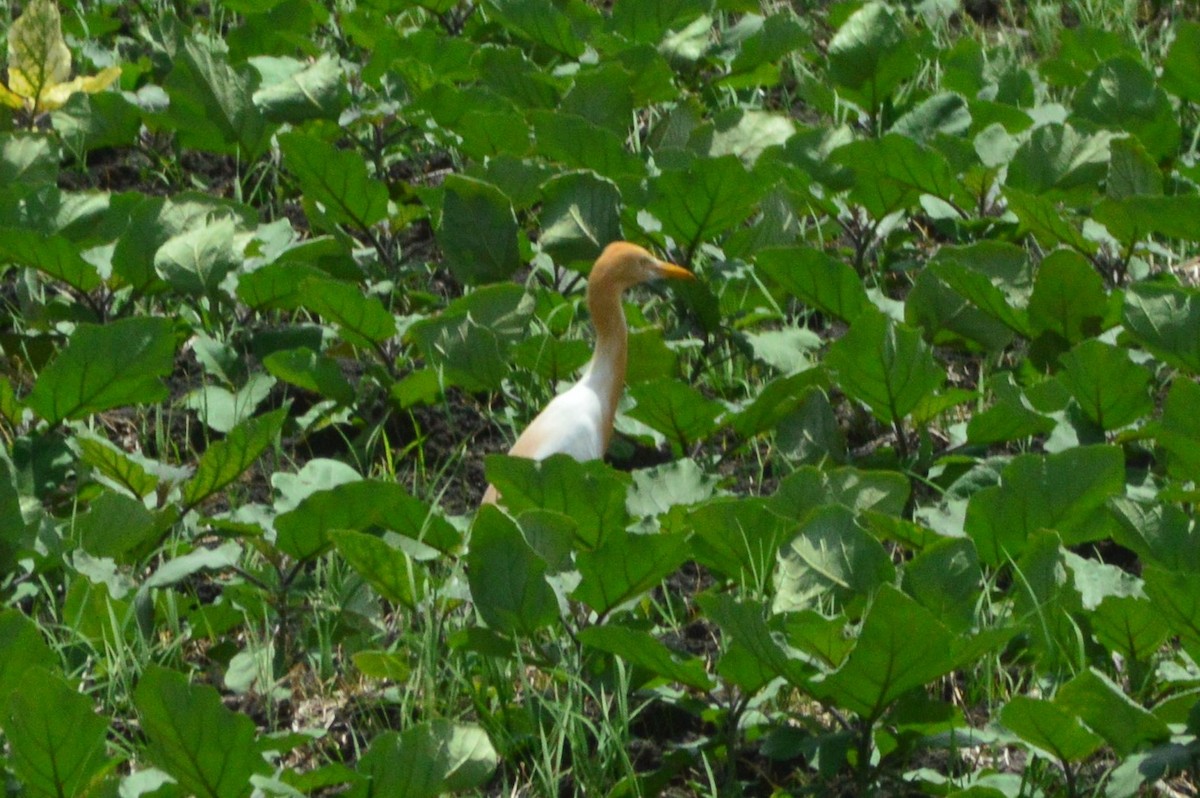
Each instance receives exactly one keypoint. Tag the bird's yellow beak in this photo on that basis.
(672, 272)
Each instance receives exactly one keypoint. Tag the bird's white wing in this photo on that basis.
(570, 424)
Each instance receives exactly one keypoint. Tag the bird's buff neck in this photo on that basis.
(606, 372)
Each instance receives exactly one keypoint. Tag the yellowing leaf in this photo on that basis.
(39, 63)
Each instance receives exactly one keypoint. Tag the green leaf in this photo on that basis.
(507, 578)
(116, 524)
(337, 179)
(103, 367)
(303, 532)
(212, 107)
(579, 144)
(1068, 301)
(902, 646)
(1181, 67)
(197, 260)
(1132, 219)
(738, 538)
(1060, 159)
(871, 54)
(827, 283)
(1104, 707)
(1050, 728)
(650, 21)
(884, 365)
(478, 233)
(893, 172)
(832, 557)
(1130, 626)
(1179, 432)
(1131, 171)
(810, 487)
(642, 650)
(590, 493)
(306, 369)
(581, 214)
(29, 159)
(52, 255)
(1045, 220)
(1058, 491)
(362, 320)
(115, 465)
(945, 578)
(89, 122)
(625, 566)
(1121, 95)
(57, 741)
(744, 623)
(383, 665)
(388, 569)
(22, 647)
(225, 460)
(1165, 319)
(699, 204)
(294, 91)
(675, 409)
(209, 749)
(657, 489)
(546, 26)
(179, 568)
(1176, 597)
(1111, 389)
(426, 761)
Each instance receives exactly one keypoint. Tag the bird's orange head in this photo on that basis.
(626, 264)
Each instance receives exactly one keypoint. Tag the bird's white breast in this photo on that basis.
(570, 424)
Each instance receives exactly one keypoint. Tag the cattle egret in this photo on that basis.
(579, 421)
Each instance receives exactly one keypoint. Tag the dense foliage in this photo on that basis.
(902, 496)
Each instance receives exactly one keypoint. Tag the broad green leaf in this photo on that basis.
(1162, 534)
(649, 20)
(945, 578)
(467, 353)
(901, 646)
(294, 91)
(602, 94)
(28, 159)
(811, 487)
(884, 365)
(212, 106)
(222, 409)
(1131, 171)
(657, 489)
(1121, 95)
(116, 524)
(1068, 299)
(1132, 219)
(209, 749)
(1058, 158)
(52, 255)
(675, 409)
(388, 569)
(1179, 432)
(1165, 319)
(103, 367)
(706, 201)
(581, 214)
(745, 133)
(745, 623)
(871, 54)
(507, 578)
(383, 665)
(303, 532)
(943, 113)
(1050, 728)
(179, 568)
(88, 122)
(537, 23)
(428, 760)
(196, 261)
(478, 233)
(642, 650)
(276, 286)
(830, 285)
(306, 369)
(1058, 491)
(625, 566)
(1130, 626)
(225, 460)
(1176, 597)
(335, 178)
(590, 493)
(579, 144)
(1104, 707)
(1111, 389)
(361, 319)
(509, 72)
(738, 538)
(115, 465)
(22, 647)
(57, 741)
(831, 557)
(1181, 67)
(893, 172)
(1045, 220)
(945, 301)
